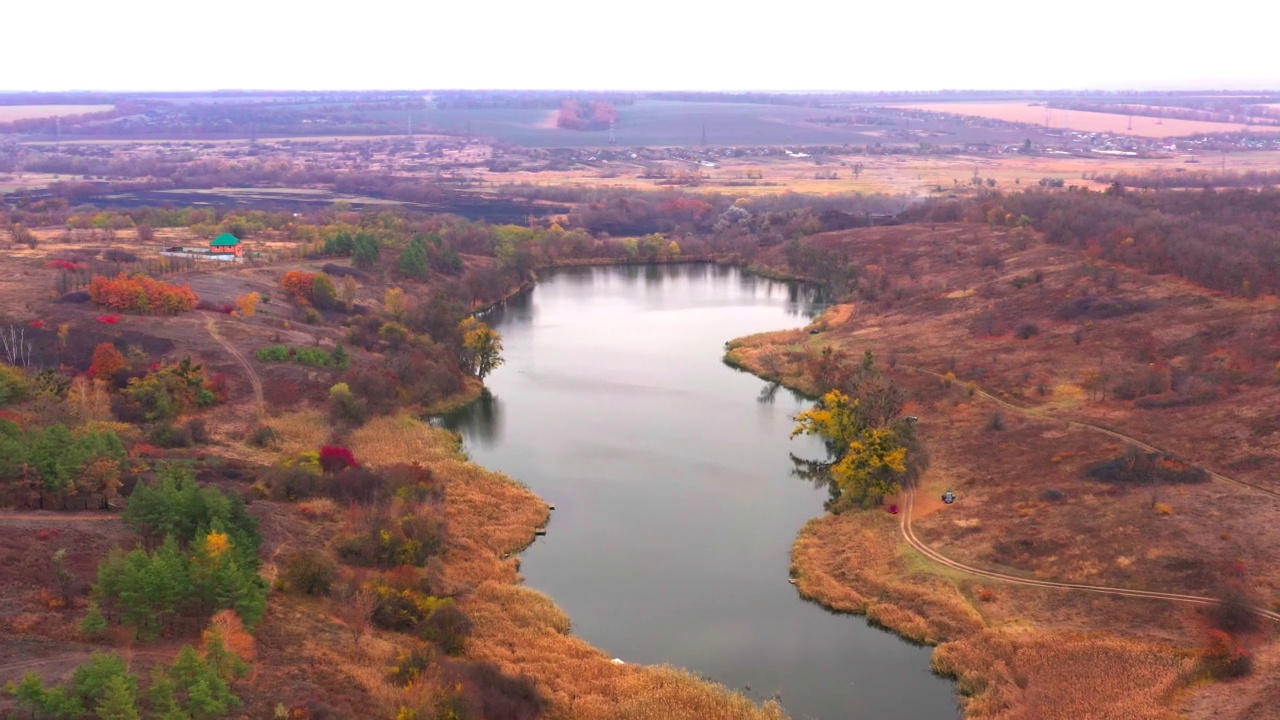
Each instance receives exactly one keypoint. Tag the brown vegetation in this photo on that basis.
(944, 324)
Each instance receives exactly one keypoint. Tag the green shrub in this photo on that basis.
(168, 435)
(14, 386)
(273, 353)
(315, 357)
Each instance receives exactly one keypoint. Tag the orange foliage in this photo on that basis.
(107, 361)
(143, 294)
(298, 285)
(227, 625)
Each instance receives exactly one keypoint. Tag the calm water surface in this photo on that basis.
(675, 512)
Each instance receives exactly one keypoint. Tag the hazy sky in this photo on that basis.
(643, 44)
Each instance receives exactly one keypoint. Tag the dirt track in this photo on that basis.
(254, 379)
(918, 544)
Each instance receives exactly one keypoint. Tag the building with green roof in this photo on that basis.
(227, 243)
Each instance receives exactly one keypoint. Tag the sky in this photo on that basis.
(132, 45)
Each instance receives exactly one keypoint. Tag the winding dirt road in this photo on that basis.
(254, 380)
(914, 541)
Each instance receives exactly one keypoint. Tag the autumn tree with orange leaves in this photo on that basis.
(107, 361)
(142, 294)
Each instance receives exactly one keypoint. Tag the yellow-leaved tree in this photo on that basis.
(483, 345)
(248, 304)
(868, 462)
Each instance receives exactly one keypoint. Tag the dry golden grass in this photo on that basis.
(1084, 121)
(1022, 674)
(402, 439)
(835, 316)
(852, 562)
(9, 113)
(302, 431)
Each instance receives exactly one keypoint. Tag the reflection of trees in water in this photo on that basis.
(481, 421)
(517, 309)
(576, 276)
(818, 474)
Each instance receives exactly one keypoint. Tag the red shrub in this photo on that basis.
(143, 450)
(12, 417)
(1225, 656)
(37, 324)
(217, 384)
(46, 534)
(109, 319)
(62, 265)
(334, 458)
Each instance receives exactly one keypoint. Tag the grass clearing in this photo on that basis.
(1019, 111)
(302, 431)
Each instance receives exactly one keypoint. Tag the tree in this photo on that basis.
(868, 462)
(356, 610)
(349, 288)
(107, 361)
(119, 701)
(483, 346)
(366, 251)
(673, 249)
(94, 623)
(64, 577)
(24, 236)
(394, 302)
(297, 285)
(323, 292)
(248, 303)
(340, 244)
(91, 681)
(415, 261)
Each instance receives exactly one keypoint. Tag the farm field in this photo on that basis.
(886, 173)
(1022, 112)
(9, 113)
(657, 123)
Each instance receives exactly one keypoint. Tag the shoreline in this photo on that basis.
(858, 562)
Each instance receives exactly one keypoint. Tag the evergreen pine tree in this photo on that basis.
(118, 701)
(414, 261)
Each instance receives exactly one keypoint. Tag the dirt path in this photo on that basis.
(938, 557)
(58, 517)
(254, 380)
(918, 544)
(1105, 431)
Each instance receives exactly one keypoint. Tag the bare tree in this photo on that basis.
(16, 348)
(356, 610)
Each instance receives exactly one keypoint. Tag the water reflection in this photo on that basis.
(480, 423)
(672, 478)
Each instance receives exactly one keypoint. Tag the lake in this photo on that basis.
(675, 506)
